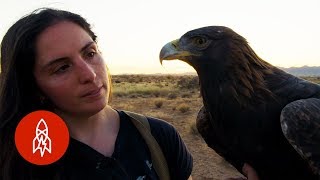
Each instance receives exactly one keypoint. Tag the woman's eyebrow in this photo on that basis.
(86, 46)
(58, 60)
(55, 61)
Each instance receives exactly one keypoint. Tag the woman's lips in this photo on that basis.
(93, 93)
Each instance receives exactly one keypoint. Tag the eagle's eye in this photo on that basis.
(200, 42)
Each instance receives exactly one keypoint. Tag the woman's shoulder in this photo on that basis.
(176, 153)
(178, 156)
(162, 130)
(161, 125)
(156, 124)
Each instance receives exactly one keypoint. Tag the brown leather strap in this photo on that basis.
(158, 159)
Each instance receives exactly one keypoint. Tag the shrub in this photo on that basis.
(183, 108)
(186, 95)
(158, 103)
(156, 93)
(172, 96)
(133, 96)
(193, 128)
(188, 82)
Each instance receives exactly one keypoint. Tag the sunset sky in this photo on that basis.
(131, 33)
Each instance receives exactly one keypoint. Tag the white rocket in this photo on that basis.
(42, 141)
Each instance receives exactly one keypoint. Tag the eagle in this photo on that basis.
(253, 112)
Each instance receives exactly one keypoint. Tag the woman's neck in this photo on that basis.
(98, 131)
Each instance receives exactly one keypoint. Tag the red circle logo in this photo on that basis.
(42, 137)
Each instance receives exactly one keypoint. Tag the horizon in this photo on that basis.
(195, 73)
(131, 33)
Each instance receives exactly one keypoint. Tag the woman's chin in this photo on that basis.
(94, 108)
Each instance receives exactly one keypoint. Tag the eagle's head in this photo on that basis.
(216, 46)
(221, 56)
(200, 46)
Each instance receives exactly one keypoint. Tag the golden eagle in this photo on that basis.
(253, 112)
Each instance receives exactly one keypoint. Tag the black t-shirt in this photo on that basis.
(131, 157)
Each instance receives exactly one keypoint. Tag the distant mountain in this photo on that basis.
(297, 71)
(303, 71)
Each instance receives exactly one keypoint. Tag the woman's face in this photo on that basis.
(69, 69)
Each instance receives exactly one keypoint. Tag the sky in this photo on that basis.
(131, 33)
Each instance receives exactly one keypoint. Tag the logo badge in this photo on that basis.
(42, 137)
(42, 141)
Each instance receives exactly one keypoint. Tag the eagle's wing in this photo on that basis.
(205, 129)
(207, 132)
(300, 122)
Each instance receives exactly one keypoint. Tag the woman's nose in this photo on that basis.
(86, 72)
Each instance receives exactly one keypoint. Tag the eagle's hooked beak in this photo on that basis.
(172, 51)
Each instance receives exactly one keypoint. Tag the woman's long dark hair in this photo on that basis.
(19, 94)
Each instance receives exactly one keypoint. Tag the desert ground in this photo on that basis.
(175, 99)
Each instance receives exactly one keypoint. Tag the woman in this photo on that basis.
(50, 60)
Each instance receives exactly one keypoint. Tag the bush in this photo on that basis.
(158, 103)
(193, 128)
(172, 96)
(186, 95)
(156, 93)
(191, 82)
(183, 108)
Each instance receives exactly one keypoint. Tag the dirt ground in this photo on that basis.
(207, 164)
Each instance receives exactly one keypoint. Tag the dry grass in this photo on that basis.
(313, 79)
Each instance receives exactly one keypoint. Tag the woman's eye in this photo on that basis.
(62, 68)
(91, 54)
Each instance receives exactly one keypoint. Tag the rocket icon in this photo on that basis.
(41, 141)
